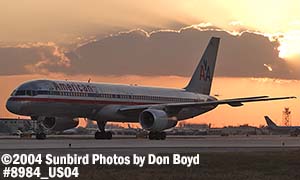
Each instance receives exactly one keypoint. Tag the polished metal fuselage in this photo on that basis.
(97, 101)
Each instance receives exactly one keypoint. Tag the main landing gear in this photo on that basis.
(41, 136)
(157, 135)
(102, 134)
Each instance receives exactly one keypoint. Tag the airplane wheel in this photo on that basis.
(103, 135)
(41, 136)
(108, 135)
(157, 135)
(163, 135)
(152, 135)
(99, 135)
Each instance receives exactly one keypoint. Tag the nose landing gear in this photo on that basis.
(40, 130)
(103, 135)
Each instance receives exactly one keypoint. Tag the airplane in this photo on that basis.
(57, 103)
(292, 130)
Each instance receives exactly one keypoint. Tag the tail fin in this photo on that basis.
(270, 122)
(202, 78)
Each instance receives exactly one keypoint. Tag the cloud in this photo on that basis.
(156, 53)
(170, 52)
(30, 58)
(236, 23)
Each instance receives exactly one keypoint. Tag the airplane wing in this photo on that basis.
(232, 102)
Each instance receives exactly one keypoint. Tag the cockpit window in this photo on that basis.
(29, 93)
(13, 93)
(20, 93)
(25, 93)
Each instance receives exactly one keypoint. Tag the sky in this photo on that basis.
(158, 43)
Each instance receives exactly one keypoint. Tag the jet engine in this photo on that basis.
(156, 120)
(59, 123)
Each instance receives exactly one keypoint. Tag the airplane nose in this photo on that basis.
(12, 106)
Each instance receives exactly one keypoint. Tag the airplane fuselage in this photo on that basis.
(81, 99)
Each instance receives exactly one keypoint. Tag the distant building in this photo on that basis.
(194, 126)
(190, 129)
(241, 130)
(10, 125)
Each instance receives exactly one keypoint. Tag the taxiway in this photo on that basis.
(129, 145)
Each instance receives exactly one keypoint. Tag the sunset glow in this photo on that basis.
(290, 46)
(157, 44)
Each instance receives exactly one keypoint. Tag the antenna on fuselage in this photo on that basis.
(89, 80)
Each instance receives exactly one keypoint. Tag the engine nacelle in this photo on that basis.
(156, 120)
(59, 123)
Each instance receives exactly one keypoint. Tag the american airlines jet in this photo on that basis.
(57, 103)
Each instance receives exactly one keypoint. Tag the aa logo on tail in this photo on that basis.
(205, 71)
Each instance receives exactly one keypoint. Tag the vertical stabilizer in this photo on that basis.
(270, 122)
(202, 78)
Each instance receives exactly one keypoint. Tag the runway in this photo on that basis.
(129, 145)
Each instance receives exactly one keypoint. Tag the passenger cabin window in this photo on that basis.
(43, 92)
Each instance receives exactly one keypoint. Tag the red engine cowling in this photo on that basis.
(156, 120)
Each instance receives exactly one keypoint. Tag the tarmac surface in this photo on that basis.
(128, 145)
